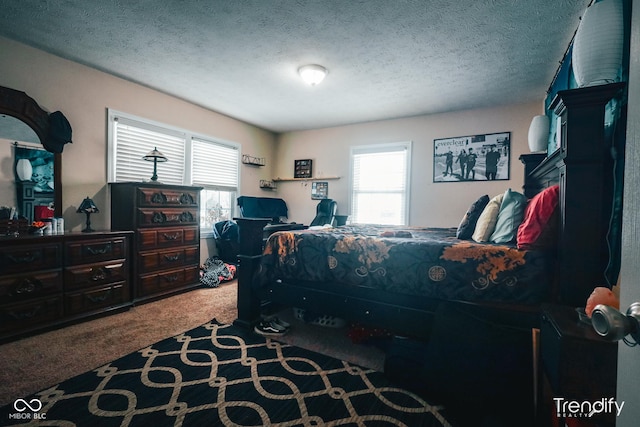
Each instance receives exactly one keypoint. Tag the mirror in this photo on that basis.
(22, 120)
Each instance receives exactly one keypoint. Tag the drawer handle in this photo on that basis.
(186, 217)
(173, 278)
(183, 199)
(25, 314)
(26, 258)
(158, 218)
(27, 286)
(99, 251)
(171, 236)
(101, 298)
(172, 258)
(186, 199)
(98, 274)
(159, 198)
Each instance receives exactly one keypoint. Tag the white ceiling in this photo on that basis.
(386, 58)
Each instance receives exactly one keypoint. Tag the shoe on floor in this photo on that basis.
(267, 328)
(278, 323)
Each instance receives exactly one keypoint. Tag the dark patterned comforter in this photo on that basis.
(427, 262)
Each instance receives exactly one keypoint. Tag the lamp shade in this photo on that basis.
(88, 206)
(155, 156)
(539, 133)
(312, 74)
(24, 169)
(597, 49)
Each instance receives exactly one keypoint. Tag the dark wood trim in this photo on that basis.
(21, 106)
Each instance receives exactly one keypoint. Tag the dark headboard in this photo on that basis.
(583, 168)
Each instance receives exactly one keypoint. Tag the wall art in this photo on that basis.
(483, 157)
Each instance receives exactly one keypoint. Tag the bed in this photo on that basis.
(414, 261)
(336, 272)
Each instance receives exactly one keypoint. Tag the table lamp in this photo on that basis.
(155, 156)
(88, 207)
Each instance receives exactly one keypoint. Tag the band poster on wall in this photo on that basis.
(472, 158)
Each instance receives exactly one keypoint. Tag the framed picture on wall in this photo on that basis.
(302, 168)
(483, 157)
(319, 190)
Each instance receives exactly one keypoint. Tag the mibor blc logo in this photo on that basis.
(27, 410)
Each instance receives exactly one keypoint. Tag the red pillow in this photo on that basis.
(539, 218)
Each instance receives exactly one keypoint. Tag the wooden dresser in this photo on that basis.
(165, 219)
(47, 281)
(96, 273)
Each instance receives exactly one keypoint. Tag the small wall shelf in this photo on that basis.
(251, 160)
(321, 178)
(267, 184)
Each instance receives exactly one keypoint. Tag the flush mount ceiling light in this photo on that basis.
(312, 74)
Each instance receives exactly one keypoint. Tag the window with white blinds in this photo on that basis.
(192, 160)
(132, 139)
(215, 165)
(380, 183)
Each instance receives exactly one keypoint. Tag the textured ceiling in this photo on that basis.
(386, 58)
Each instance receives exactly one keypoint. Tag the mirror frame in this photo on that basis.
(21, 106)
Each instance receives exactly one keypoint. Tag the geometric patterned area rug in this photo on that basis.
(220, 374)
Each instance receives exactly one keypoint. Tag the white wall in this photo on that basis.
(83, 94)
(437, 205)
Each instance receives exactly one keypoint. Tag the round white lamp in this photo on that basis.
(539, 134)
(597, 49)
(24, 170)
(312, 74)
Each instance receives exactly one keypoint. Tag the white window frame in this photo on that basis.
(189, 137)
(382, 148)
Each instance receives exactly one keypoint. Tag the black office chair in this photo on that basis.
(325, 212)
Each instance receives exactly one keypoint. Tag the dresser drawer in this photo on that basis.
(31, 313)
(85, 301)
(25, 258)
(37, 284)
(149, 217)
(167, 197)
(85, 276)
(167, 237)
(87, 251)
(169, 258)
(168, 280)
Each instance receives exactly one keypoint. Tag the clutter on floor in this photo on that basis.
(216, 271)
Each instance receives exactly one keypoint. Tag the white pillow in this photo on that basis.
(487, 222)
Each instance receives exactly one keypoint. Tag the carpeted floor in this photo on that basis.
(218, 374)
(34, 363)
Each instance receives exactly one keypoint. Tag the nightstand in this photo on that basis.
(577, 366)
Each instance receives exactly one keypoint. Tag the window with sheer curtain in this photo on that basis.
(193, 160)
(380, 183)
